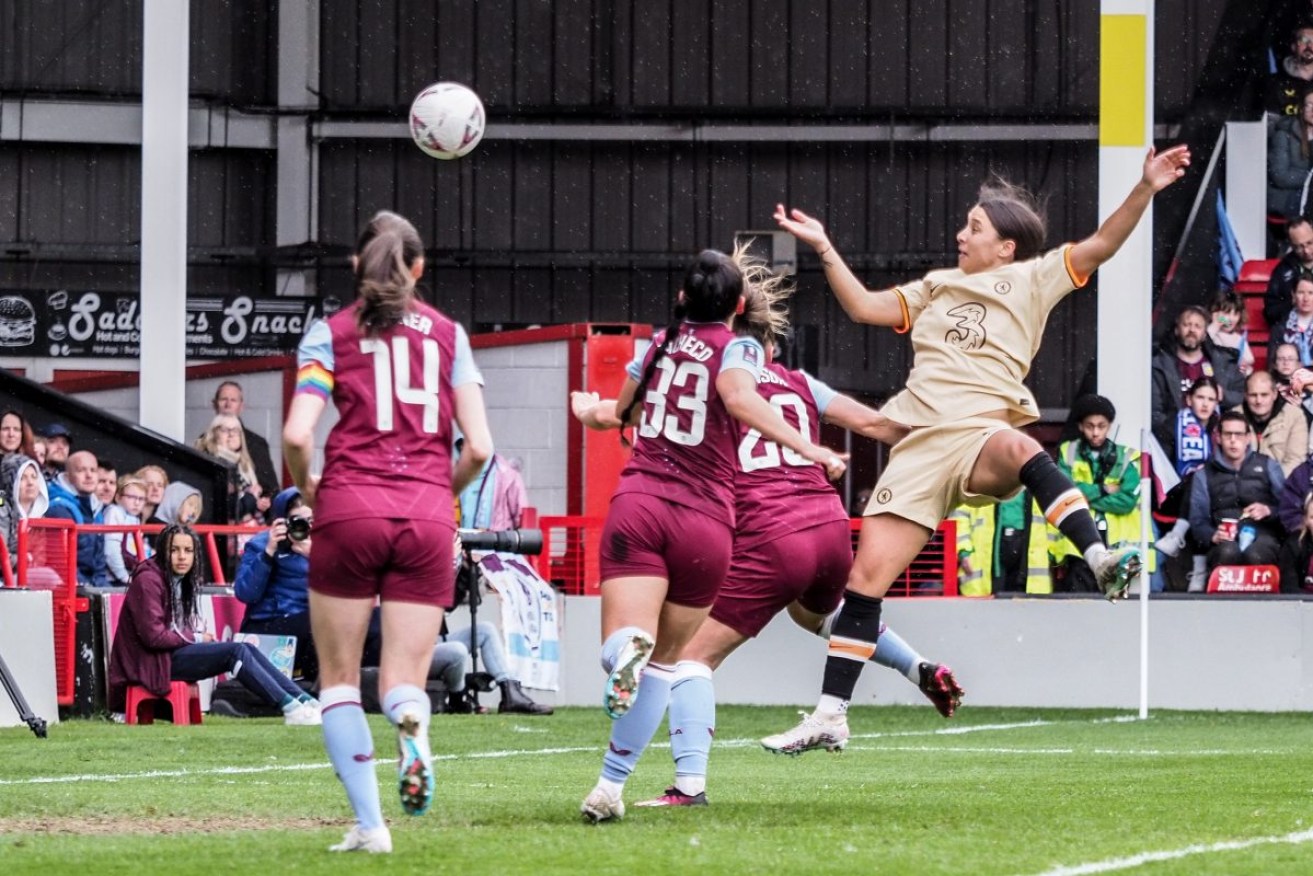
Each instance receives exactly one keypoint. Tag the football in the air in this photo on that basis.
(446, 120)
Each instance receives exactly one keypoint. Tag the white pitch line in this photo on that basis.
(1128, 863)
(727, 743)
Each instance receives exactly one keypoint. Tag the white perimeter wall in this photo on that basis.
(1221, 653)
(27, 643)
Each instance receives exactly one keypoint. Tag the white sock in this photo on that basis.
(612, 788)
(831, 705)
(691, 785)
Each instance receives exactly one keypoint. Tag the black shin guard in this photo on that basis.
(852, 642)
(1062, 504)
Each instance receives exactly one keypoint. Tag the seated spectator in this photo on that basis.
(1181, 359)
(160, 637)
(39, 450)
(1290, 502)
(73, 497)
(449, 664)
(1288, 159)
(23, 496)
(223, 441)
(1295, 72)
(15, 434)
(121, 547)
(59, 443)
(1233, 500)
(496, 498)
(1280, 294)
(181, 503)
(1297, 329)
(107, 482)
(1227, 328)
(1296, 558)
(1192, 447)
(272, 580)
(493, 658)
(1279, 429)
(1108, 476)
(156, 480)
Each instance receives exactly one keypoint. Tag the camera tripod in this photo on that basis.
(475, 681)
(37, 725)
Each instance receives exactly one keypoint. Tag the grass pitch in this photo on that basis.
(994, 791)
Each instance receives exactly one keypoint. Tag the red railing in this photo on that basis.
(569, 559)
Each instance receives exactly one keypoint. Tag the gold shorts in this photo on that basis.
(928, 471)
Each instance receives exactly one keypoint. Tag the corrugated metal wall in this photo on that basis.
(541, 232)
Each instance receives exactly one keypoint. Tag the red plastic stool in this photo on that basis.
(184, 697)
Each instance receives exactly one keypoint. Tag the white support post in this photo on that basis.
(165, 37)
(1125, 295)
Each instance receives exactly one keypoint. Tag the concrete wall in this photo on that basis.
(526, 392)
(28, 646)
(1216, 653)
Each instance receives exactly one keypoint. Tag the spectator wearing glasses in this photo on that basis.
(120, 547)
(224, 440)
(1280, 296)
(1233, 500)
(1293, 75)
(229, 400)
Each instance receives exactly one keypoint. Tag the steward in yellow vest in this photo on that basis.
(1003, 547)
(1108, 476)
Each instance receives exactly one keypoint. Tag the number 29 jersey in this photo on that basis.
(777, 491)
(685, 447)
(389, 454)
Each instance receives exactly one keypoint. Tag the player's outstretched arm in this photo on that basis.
(866, 421)
(737, 388)
(1161, 169)
(594, 411)
(861, 304)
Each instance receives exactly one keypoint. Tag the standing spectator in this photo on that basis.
(59, 441)
(156, 480)
(15, 434)
(1108, 475)
(1279, 297)
(160, 636)
(73, 497)
(1182, 359)
(229, 400)
(1227, 331)
(107, 482)
(120, 547)
(23, 495)
(1294, 74)
(223, 440)
(1296, 558)
(1289, 159)
(1233, 500)
(496, 498)
(1279, 429)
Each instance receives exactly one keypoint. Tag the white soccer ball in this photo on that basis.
(446, 120)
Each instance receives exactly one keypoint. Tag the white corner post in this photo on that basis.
(164, 66)
(1125, 294)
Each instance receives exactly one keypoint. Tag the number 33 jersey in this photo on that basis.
(685, 442)
(389, 454)
(777, 491)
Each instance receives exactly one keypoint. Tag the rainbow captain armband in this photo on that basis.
(314, 379)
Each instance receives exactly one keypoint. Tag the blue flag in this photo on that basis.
(1229, 258)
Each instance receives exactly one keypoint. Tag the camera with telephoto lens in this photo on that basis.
(298, 528)
(511, 541)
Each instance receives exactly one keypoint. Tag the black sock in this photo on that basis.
(852, 643)
(1062, 504)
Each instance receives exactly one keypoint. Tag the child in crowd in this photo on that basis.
(120, 547)
(1192, 447)
(1227, 328)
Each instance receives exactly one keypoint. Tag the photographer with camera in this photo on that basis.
(273, 576)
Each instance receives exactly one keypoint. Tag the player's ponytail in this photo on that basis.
(385, 254)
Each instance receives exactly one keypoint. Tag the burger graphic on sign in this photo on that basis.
(17, 322)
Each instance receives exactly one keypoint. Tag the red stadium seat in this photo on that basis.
(1245, 579)
(184, 697)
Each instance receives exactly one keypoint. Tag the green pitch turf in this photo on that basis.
(1011, 791)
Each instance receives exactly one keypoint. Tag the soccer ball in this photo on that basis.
(446, 120)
